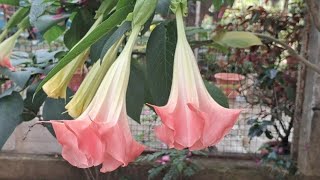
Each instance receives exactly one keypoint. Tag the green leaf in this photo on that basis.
(93, 37)
(38, 7)
(219, 47)
(217, 94)
(142, 11)
(268, 134)
(53, 33)
(217, 4)
(230, 2)
(163, 7)
(7, 92)
(160, 56)
(156, 171)
(105, 6)
(54, 109)
(237, 39)
(96, 48)
(19, 77)
(17, 17)
(45, 22)
(135, 92)
(11, 108)
(81, 24)
(255, 131)
(10, 2)
(123, 3)
(32, 106)
(126, 26)
(44, 56)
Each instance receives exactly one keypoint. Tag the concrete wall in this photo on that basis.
(36, 140)
(22, 166)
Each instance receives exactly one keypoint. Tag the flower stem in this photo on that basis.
(180, 24)
(292, 52)
(131, 41)
(3, 34)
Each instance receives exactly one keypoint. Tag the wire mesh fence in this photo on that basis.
(237, 141)
(241, 95)
(238, 92)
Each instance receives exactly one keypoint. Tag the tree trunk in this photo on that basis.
(309, 141)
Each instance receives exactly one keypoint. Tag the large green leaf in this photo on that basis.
(81, 23)
(135, 92)
(54, 109)
(32, 106)
(163, 7)
(123, 3)
(217, 4)
(7, 92)
(17, 17)
(10, 2)
(53, 33)
(97, 48)
(116, 18)
(160, 55)
(126, 26)
(45, 22)
(11, 108)
(217, 94)
(18, 77)
(237, 39)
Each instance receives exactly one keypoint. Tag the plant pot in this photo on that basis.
(229, 83)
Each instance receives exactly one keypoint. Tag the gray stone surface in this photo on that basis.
(24, 166)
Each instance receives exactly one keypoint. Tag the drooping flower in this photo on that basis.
(191, 118)
(101, 134)
(6, 48)
(56, 87)
(89, 86)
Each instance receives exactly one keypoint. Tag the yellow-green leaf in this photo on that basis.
(237, 39)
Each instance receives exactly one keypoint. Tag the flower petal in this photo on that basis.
(89, 141)
(119, 142)
(165, 135)
(69, 142)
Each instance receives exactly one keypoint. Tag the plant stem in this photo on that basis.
(291, 51)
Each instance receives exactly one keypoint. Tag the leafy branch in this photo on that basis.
(291, 51)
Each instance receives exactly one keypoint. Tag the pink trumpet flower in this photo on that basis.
(191, 118)
(101, 134)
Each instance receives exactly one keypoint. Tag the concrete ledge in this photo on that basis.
(28, 166)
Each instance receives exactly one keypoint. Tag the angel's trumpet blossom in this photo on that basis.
(191, 118)
(101, 134)
(89, 86)
(57, 86)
